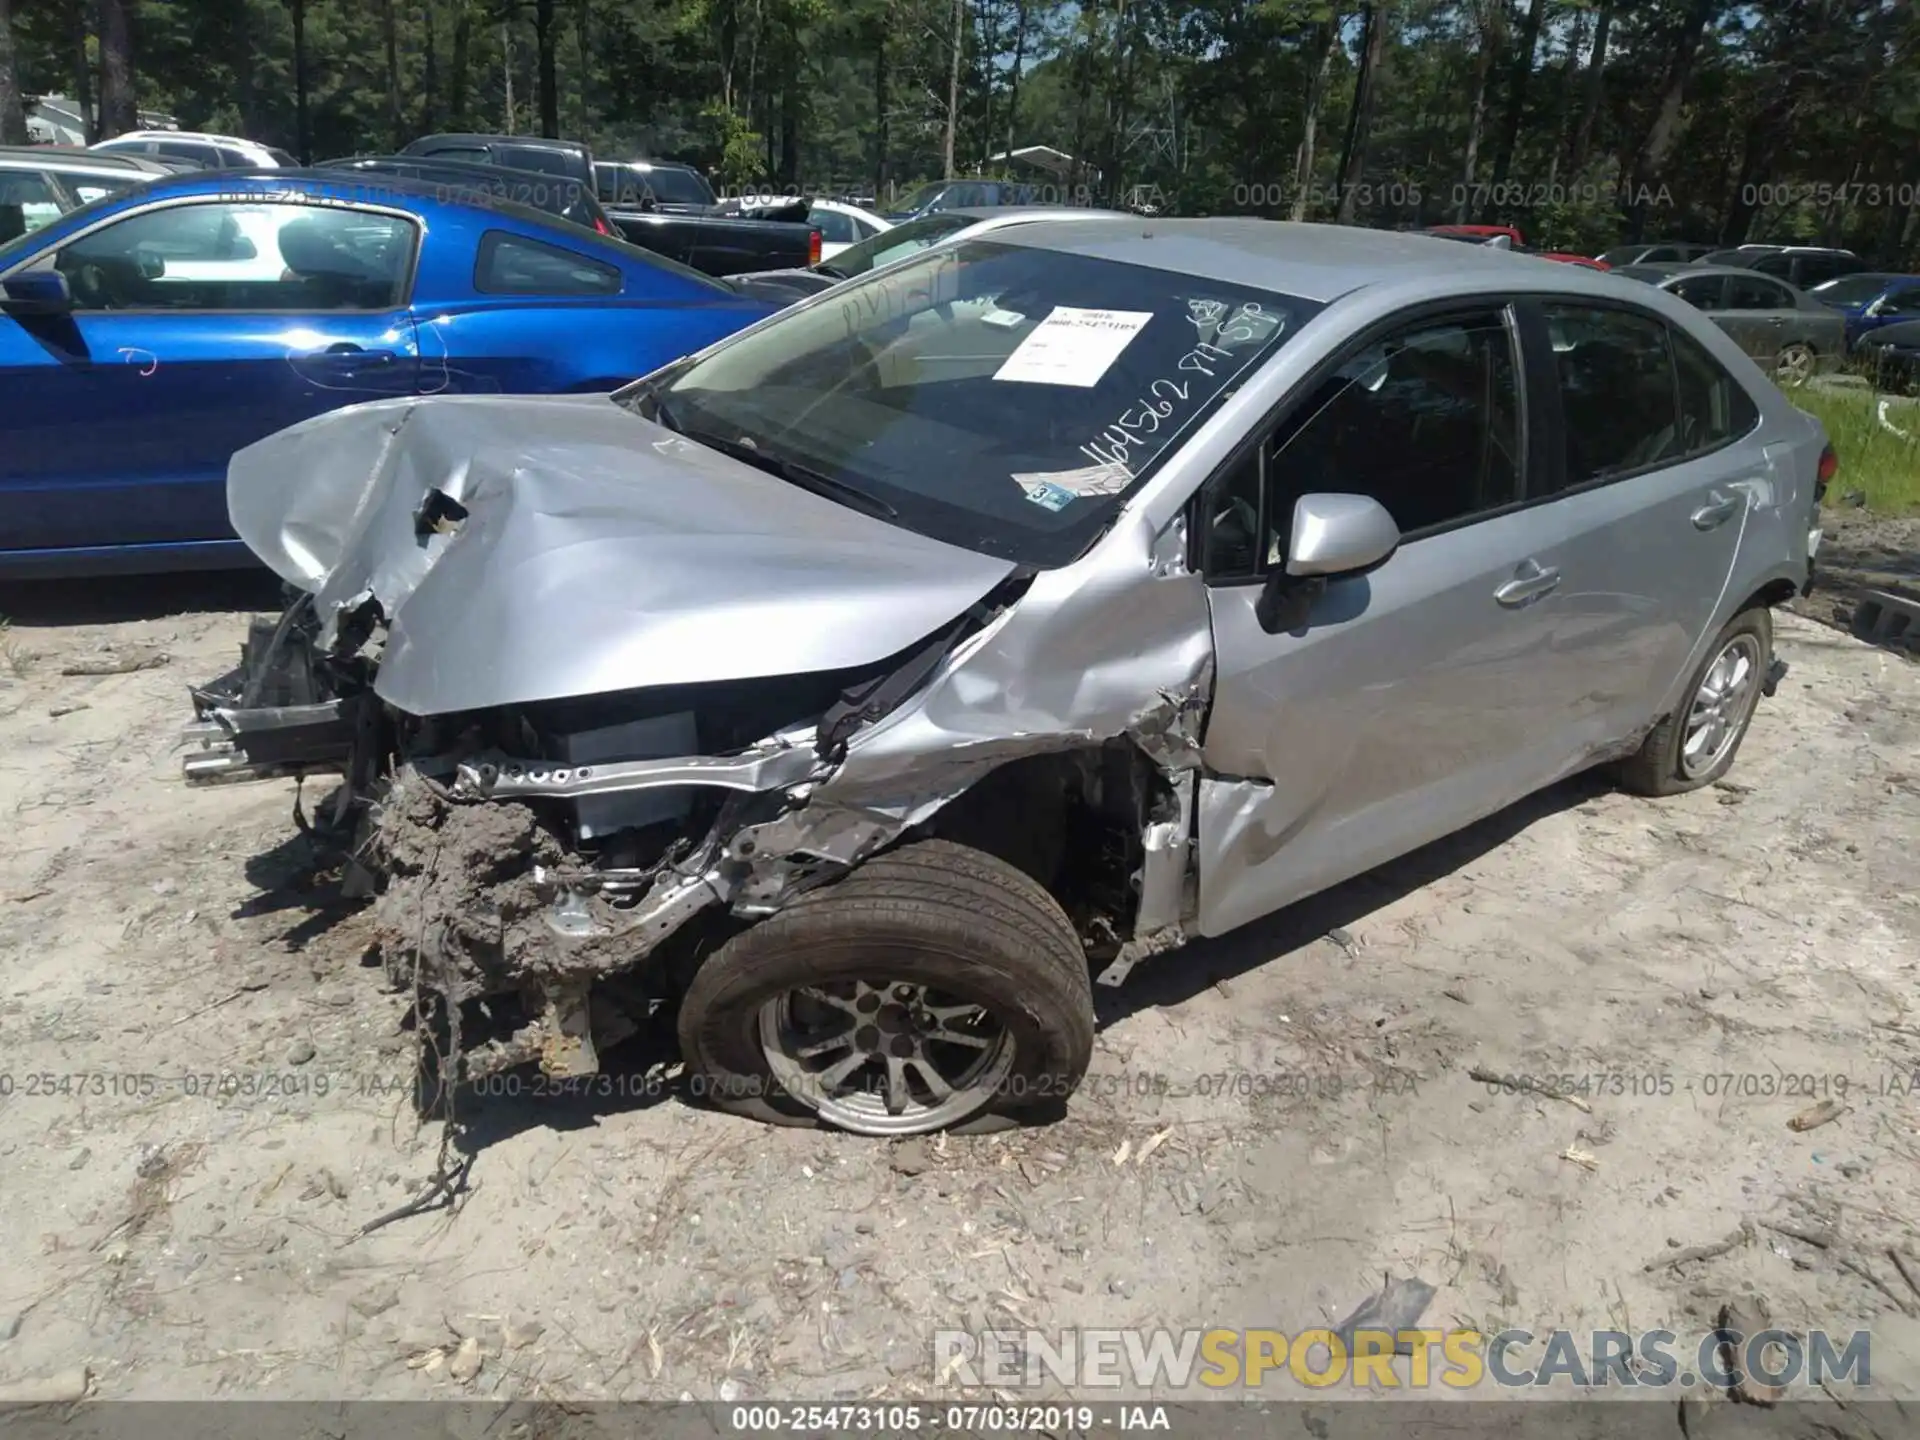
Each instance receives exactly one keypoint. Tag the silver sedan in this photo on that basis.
(865, 689)
(1786, 331)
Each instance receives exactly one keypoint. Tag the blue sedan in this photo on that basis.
(1870, 301)
(146, 337)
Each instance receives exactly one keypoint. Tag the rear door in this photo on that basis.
(197, 329)
(1641, 507)
(1758, 311)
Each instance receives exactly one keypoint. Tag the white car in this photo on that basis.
(214, 152)
(841, 225)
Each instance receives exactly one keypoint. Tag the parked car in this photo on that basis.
(146, 337)
(909, 237)
(1802, 266)
(721, 244)
(964, 195)
(860, 685)
(842, 225)
(1506, 237)
(85, 174)
(1655, 252)
(462, 180)
(210, 152)
(1893, 353)
(1870, 300)
(566, 158)
(1786, 331)
(668, 186)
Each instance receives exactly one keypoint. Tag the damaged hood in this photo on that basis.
(529, 548)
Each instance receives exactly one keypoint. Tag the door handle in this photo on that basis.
(1529, 583)
(1717, 511)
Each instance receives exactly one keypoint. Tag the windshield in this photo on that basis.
(1622, 255)
(997, 397)
(1852, 289)
(896, 244)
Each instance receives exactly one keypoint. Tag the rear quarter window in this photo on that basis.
(510, 264)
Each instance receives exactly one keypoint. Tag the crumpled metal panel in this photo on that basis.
(599, 552)
(1117, 644)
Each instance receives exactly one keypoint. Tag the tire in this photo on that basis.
(1661, 766)
(1795, 365)
(951, 923)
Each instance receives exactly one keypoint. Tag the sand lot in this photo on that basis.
(203, 1094)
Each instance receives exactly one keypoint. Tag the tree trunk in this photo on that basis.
(1327, 39)
(987, 45)
(1466, 207)
(1650, 157)
(792, 117)
(302, 110)
(582, 28)
(1594, 87)
(429, 117)
(13, 111)
(82, 71)
(1517, 80)
(549, 76)
(462, 58)
(390, 40)
(118, 113)
(1013, 83)
(955, 40)
(506, 70)
(880, 102)
(1353, 158)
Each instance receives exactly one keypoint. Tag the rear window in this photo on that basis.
(512, 264)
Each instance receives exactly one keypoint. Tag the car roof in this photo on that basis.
(648, 165)
(1314, 262)
(202, 135)
(1672, 270)
(532, 142)
(464, 169)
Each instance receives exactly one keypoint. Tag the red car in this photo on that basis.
(1515, 241)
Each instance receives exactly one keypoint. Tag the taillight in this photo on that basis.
(1829, 467)
(601, 226)
(813, 247)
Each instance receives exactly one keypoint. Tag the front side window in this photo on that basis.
(997, 397)
(1619, 404)
(1703, 292)
(242, 256)
(1851, 290)
(512, 264)
(1426, 421)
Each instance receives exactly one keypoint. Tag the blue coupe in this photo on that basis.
(146, 337)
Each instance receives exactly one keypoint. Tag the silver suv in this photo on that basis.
(863, 690)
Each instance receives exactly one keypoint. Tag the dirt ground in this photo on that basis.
(205, 1097)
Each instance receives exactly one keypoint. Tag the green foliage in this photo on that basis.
(1791, 119)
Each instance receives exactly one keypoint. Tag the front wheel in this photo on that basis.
(1696, 744)
(935, 986)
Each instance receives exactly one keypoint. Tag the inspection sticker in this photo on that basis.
(1102, 479)
(1048, 495)
(1073, 346)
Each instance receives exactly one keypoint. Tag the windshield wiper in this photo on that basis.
(796, 474)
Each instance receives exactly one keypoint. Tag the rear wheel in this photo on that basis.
(1795, 365)
(934, 987)
(1696, 744)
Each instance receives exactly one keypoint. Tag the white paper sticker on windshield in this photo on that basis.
(1073, 346)
(1003, 319)
(1103, 479)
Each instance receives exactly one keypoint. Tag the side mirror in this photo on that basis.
(1334, 537)
(38, 292)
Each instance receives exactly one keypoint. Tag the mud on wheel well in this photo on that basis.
(1774, 592)
(1072, 820)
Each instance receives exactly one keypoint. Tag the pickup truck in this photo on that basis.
(669, 209)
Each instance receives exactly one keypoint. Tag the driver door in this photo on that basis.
(1416, 698)
(191, 335)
